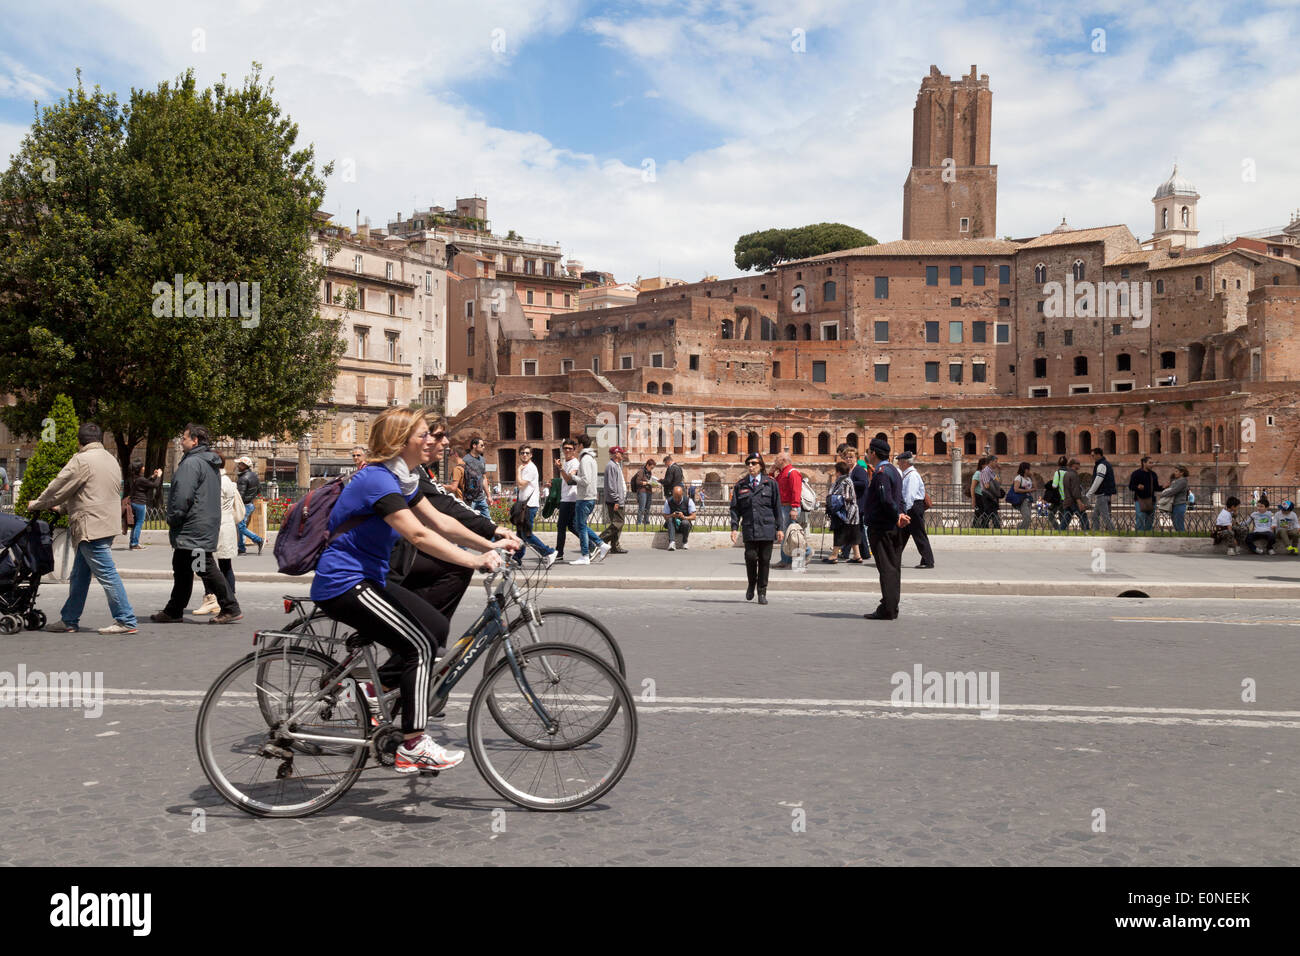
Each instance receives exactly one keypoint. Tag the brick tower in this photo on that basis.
(957, 199)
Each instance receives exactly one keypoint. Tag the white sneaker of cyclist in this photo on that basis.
(549, 560)
(425, 756)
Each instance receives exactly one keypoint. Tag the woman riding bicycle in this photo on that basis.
(386, 501)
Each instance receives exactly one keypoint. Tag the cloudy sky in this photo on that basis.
(646, 137)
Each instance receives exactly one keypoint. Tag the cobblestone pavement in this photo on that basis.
(768, 739)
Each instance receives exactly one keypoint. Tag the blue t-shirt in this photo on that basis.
(361, 554)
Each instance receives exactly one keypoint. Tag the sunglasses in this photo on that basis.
(439, 435)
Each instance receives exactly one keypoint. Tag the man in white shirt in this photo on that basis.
(1286, 525)
(530, 495)
(1225, 531)
(915, 504)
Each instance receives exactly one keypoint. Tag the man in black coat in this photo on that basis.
(756, 508)
(672, 476)
(884, 516)
(249, 488)
(194, 520)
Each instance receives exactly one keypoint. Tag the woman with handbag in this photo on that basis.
(1022, 494)
(842, 509)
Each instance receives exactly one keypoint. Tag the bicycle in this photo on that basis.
(563, 625)
(538, 707)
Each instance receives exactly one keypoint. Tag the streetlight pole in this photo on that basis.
(1216, 468)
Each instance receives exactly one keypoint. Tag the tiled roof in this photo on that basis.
(1074, 236)
(1200, 260)
(922, 247)
(1141, 257)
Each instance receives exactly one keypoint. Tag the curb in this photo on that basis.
(788, 583)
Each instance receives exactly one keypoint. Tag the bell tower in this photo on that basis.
(952, 189)
(1175, 212)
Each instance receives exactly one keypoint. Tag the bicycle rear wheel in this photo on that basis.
(257, 767)
(566, 766)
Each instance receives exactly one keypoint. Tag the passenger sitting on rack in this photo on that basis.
(381, 502)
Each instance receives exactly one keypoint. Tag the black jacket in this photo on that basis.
(403, 556)
(194, 501)
(142, 489)
(884, 498)
(756, 512)
(248, 485)
(673, 478)
(1144, 483)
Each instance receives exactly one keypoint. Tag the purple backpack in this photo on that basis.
(304, 530)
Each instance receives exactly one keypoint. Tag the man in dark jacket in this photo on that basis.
(1144, 484)
(672, 476)
(194, 519)
(884, 516)
(249, 489)
(756, 510)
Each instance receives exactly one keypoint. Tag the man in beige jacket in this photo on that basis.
(89, 489)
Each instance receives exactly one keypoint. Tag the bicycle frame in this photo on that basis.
(490, 626)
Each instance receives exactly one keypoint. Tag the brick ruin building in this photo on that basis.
(946, 341)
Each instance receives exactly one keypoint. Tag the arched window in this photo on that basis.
(1209, 440)
(1058, 443)
(668, 388)
(1199, 283)
(1085, 442)
(823, 443)
(751, 443)
(661, 439)
(1191, 441)
(727, 329)
(733, 443)
(1175, 441)
(1078, 270)
(1000, 443)
(1031, 443)
(940, 446)
(1133, 442)
(791, 333)
(909, 442)
(1220, 433)
(828, 291)
(652, 388)
(807, 331)
(968, 441)
(1164, 218)
(882, 436)
(1108, 441)
(1040, 273)
(1081, 365)
(774, 443)
(1160, 285)
(851, 439)
(713, 443)
(1187, 217)
(1156, 443)
(796, 443)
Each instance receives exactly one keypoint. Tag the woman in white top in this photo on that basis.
(232, 512)
(1023, 485)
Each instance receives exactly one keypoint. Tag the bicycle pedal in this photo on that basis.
(275, 751)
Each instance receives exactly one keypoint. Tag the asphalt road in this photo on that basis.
(767, 736)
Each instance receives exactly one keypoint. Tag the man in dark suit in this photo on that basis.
(884, 517)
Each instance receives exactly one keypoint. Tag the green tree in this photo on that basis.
(100, 209)
(55, 447)
(763, 250)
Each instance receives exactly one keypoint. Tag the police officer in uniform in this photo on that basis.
(756, 509)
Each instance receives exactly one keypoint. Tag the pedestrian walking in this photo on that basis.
(790, 482)
(615, 500)
(756, 514)
(672, 476)
(1101, 491)
(992, 491)
(249, 489)
(980, 519)
(842, 510)
(1173, 500)
(679, 515)
(642, 486)
(473, 483)
(884, 517)
(89, 489)
(232, 513)
(1073, 503)
(1145, 486)
(916, 502)
(358, 457)
(194, 522)
(529, 493)
(566, 471)
(861, 475)
(585, 481)
(142, 489)
(1021, 495)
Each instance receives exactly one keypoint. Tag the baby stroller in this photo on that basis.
(26, 552)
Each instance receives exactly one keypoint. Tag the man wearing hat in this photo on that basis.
(1286, 525)
(615, 498)
(249, 488)
(915, 501)
(884, 517)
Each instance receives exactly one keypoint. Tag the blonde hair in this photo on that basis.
(390, 432)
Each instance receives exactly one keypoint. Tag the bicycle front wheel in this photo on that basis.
(259, 768)
(577, 759)
(564, 625)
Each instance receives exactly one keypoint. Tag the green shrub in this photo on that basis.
(57, 445)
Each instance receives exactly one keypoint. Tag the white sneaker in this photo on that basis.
(425, 756)
(209, 605)
(601, 552)
(582, 560)
(672, 546)
(548, 561)
(1271, 551)
(686, 546)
